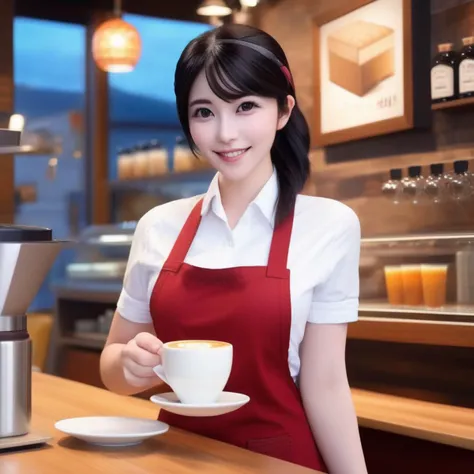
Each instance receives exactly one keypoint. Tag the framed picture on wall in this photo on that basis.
(364, 69)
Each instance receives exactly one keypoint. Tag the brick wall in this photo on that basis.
(354, 172)
(6, 107)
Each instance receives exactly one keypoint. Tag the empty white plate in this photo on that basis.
(227, 402)
(111, 430)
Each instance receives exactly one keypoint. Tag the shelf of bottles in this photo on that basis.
(452, 75)
(439, 186)
(146, 165)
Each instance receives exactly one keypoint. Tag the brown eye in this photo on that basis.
(203, 113)
(248, 106)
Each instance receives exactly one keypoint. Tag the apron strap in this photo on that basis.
(278, 258)
(184, 240)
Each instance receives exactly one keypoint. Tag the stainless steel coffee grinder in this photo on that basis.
(26, 255)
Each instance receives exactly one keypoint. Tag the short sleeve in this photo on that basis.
(336, 300)
(133, 303)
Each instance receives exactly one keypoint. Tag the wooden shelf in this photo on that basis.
(449, 312)
(454, 104)
(437, 333)
(154, 183)
(85, 340)
(88, 291)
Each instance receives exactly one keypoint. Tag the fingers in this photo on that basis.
(149, 342)
(136, 381)
(141, 356)
(138, 370)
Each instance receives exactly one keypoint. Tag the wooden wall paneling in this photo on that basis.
(97, 135)
(388, 453)
(7, 203)
(434, 373)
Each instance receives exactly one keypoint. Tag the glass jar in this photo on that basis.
(124, 164)
(392, 189)
(460, 184)
(158, 159)
(414, 185)
(434, 184)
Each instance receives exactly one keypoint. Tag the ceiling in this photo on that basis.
(81, 11)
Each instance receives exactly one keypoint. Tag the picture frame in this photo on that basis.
(369, 79)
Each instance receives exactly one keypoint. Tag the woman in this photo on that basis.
(218, 266)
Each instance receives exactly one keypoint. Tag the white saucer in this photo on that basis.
(111, 430)
(227, 402)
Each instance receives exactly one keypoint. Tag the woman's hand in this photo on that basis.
(139, 356)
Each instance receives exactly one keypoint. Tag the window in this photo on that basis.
(49, 72)
(142, 103)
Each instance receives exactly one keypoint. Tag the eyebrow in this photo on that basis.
(200, 102)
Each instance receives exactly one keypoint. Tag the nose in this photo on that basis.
(226, 130)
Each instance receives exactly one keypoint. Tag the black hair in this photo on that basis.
(234, 70)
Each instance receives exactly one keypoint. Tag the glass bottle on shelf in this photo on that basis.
(393, 187)
(158, 159)
(460, 184)
(124, 164)
(466, 68)
(413, 186)
(444, 74)
(183, 159)
(434, 184)
(140, 161)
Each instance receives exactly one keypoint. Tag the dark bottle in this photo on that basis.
(444, 74)
(466, 68)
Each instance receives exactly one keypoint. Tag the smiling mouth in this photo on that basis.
(232, 155)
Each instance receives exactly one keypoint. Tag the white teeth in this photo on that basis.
(233, 154)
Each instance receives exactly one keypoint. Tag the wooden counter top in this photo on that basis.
(443, 424)
(176, 452)
(179, 452)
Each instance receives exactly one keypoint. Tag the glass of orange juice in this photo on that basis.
(434, 284)
(412, 285)
(393, 284)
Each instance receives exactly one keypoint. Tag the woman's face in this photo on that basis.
(235, 137)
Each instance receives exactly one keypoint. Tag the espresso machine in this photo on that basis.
(26, 255)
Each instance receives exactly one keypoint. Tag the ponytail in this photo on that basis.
(290, 158)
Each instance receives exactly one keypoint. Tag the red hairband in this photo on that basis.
(287, 74)
(268, 54)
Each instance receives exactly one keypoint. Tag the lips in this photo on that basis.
(230, 156)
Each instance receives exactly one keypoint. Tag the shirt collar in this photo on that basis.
(265, 200)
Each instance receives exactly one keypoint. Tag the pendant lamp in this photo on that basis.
(116, 44)
(249, 3)
(213, 8)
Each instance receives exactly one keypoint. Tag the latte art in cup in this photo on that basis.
(196, 344)
(196, 370)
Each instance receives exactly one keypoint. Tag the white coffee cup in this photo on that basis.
(196, 370)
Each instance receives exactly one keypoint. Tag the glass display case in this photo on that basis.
(101, 254)
(409, 276)
(426, 276)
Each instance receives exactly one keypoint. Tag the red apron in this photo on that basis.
(250, 307)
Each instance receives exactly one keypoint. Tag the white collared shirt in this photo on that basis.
(323, 256)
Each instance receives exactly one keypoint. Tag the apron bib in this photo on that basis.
(249, 307)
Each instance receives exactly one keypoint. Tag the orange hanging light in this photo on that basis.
(116, 44)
